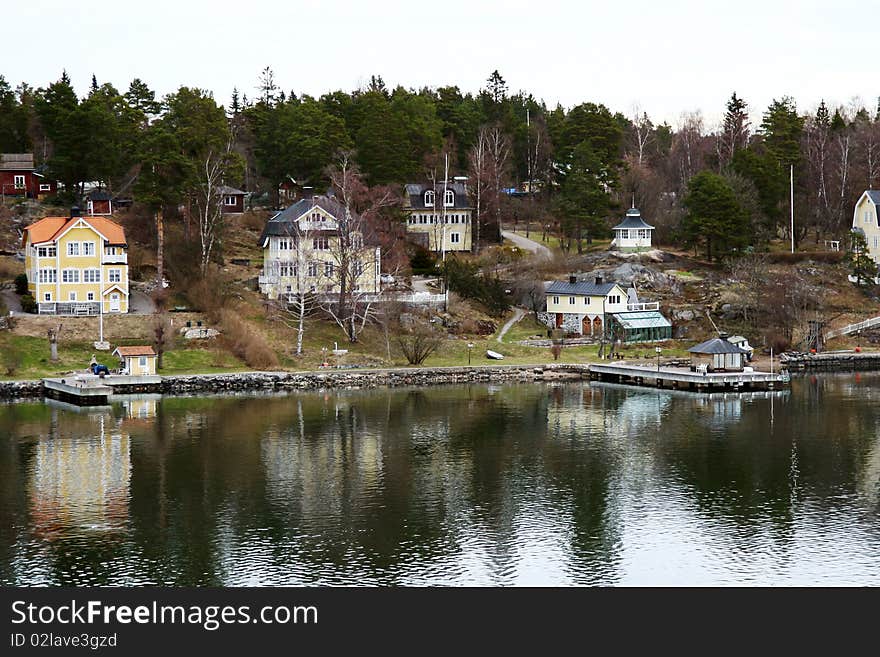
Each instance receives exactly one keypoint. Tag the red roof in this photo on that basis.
(134, 351)
(49, 228)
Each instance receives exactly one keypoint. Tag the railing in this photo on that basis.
(852, 328)
(118, 259)
(83, 308)
(647, 305)
(267, 280)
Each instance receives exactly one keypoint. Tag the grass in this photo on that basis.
(200, 361)
(31, 357)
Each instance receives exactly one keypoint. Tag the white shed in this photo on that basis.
(632, 234)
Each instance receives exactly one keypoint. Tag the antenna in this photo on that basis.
(634, 200)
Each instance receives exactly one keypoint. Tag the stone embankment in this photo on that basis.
(831, 360)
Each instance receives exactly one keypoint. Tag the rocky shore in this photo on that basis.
(831, 361)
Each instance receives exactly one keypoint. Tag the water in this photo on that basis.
(573, 484)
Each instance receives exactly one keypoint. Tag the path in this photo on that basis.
(12, 300)
(528, 245)
(518, 314)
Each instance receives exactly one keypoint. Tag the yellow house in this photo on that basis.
(582, 307)
(302, 252)
(865, 220)
(77, 265)
(439, 216)
(137, 361)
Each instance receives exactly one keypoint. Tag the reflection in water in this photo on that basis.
(493, 485)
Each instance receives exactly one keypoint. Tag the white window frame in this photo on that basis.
(429, 199)
(454, 238)
(114, 272)
(449, 199)
(47, 296)
(91, 275)
(230, 200)
(142, 362)
(328, 269)
(70, 275)
(556, 300)
(90, 296)
(18, 182)
(571, 301)
(73, 249)
(71, 296)
(321, 243)
(88, 248)
(313, 269)
(45, 187)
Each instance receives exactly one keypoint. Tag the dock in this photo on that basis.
(93, 390)
(681, 378)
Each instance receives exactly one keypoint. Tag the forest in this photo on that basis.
(720, 189)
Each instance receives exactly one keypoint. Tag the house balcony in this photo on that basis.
(118, 259)
(81, 308)
(268, 280)
(648, 305)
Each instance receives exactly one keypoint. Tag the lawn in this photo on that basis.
(23, 357)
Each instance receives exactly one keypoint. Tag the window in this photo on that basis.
(46, 252)
(48, 276)
(88, 248)
(357, 241)
(90, 296)
(91, 276)
(47, 296)
(285, 244)
(614, 298)
(70, 276)
(71, 296)
(587, 300)
(320, 244)
(284, 269)
(429, 199)
(357, 268)
(114, 275)
(230, 200)
(555, 299)
(142, 362)
(313, 269)
(867, 216)
(875, 241)
(643, 233)
(73, 248)
(328, 269)
(571, 300)
(449, 198)
(423, 219)
(455, 238)
(18, 182)
(45, 188)
(455, 218)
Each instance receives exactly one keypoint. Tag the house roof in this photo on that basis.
(280, 223)
(50, 228)
(134, 351)
(16, 161)
(633, 219)
(415, 196)
(225, 190)
(642, 319)
(873, 195)
(716, 346)
(583, 289)
(98, 195)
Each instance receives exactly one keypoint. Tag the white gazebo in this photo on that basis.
(632, 234)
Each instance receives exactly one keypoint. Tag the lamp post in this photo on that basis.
(658, 350)
(470, 346)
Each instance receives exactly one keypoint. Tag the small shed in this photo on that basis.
(718, 355)
(633, 233)
(231, 200)
(99, 202)
(137, 361)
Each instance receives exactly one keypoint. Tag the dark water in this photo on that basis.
(486, 485)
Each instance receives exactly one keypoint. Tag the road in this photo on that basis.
(518, 314)
(528, 245)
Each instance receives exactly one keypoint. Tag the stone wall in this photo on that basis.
(831, 360)
(14, 389)
(571, 322)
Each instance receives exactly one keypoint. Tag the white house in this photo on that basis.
(632, 234)
(865, 221)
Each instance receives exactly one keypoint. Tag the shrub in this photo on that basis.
(246, 343)
(28, 304)
(423, 262)
(419, 343)
(21, 284)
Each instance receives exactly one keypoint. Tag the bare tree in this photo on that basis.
(477, 159)
(418, 343)
(498, 162)
(294, 306)
(642, 133)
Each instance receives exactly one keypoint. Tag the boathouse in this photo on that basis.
(718, 355)
(137, 361)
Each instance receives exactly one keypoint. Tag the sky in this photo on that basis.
(667, 57)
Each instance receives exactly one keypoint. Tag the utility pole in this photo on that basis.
(443, 233)
(791, 203)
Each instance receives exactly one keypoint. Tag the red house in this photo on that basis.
(18, 177)
(99, 202)
(231, 199)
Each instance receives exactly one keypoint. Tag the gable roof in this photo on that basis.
(225, 190)
(415, 196)
(280, 223)
(98, 194)
(16, 161)
(873, 196)
(51, 228)
(134, 351)
(642, 319)
(584, 289)
(633, 219)
(716, 346)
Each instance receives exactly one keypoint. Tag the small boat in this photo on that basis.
(494, 355)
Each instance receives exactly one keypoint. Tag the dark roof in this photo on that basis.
(16, 161)
(584, 289)
(98, 195)
(716, 346)
(415, 196)
(224, 190)
(280, 224)
(874, 195)
(633, 219)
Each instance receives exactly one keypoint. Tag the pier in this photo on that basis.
(683, 379)
(93, 390)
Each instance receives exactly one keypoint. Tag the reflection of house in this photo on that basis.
(718, 354)
(439, 216)
(632, 234)
(137, 361)
(74, 263)
(18, 177)
(80, 483)
(302, 250)
(231, 200)
(141, 407)
(865, 221)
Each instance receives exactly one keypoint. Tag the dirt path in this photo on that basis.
(528, 245)
(518, 314)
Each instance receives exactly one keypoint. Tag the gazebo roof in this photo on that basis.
(633, 219)
(716, 346)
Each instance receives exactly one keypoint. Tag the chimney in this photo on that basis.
(572, 279)
(75, 212)
(598, 280)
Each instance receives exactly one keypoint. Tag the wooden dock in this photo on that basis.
(683, 379)
(92, 390)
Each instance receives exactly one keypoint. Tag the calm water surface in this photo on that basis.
(485, 485)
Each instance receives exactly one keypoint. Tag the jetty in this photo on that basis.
(95, 390)
(682, 378)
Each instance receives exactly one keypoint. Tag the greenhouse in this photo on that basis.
(642, 326)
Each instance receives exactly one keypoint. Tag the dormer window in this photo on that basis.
(449, 198)
(429, 199)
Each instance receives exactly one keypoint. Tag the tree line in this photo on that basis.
(719, 188)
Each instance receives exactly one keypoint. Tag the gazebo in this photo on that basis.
(632, 234)
(718, 354)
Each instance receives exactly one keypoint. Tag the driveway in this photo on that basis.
(11, 299)
(141, 303)
(526, 244)
(518, 314)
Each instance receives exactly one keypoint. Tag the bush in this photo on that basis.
(21, 284)
(462, 278)
(28, 304)
(423, 262)
(419, 343)
(246, 343)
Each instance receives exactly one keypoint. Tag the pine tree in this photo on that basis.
(735, 131)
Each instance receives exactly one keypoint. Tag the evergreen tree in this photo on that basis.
(713, 216)
(863, 267)
(735, 131)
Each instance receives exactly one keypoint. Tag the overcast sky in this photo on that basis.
(668, 56)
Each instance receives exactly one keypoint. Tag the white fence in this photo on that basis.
(852, 328)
